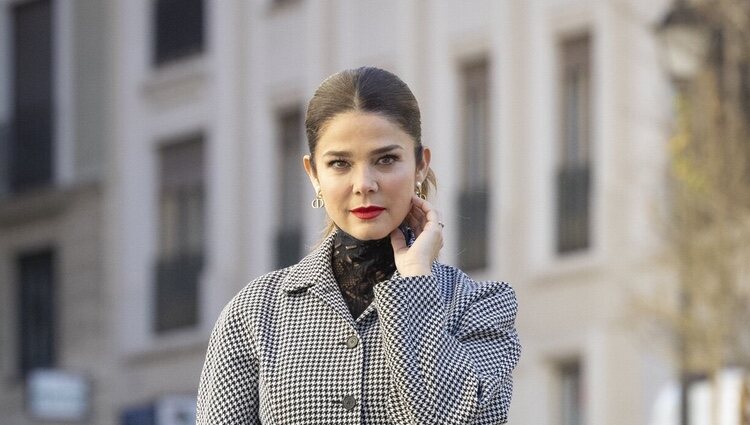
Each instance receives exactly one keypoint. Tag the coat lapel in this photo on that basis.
(313, 275)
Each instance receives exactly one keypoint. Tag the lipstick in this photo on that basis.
(367, 213)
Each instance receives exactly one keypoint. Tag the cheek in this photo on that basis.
(401, 191)
(330, 185)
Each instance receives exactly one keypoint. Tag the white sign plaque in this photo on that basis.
(56, 395)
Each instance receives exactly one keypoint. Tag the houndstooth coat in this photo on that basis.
(428, 350)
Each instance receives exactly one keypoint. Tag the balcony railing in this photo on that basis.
(26, 151)
(177, 291)
(573, 194)
(37, 348)
(473, 211)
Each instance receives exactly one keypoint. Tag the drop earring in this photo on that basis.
(318, 202)
(419, 192)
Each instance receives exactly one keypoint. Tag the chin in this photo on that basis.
(369, 234)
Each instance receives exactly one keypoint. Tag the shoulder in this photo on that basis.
(256, 294)
(263, 292)
(458, 287)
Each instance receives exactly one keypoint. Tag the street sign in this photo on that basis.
(56, 395)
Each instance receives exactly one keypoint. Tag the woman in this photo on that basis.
(368, 328)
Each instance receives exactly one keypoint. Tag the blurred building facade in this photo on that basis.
(53, 130)
(176, 142)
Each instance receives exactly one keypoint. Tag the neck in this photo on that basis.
(364, 244)
(358, 265)
(371, 259)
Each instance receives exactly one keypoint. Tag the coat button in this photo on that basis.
(352, 341)
(349, 402)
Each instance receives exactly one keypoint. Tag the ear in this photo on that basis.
(424, 165)
(310, 170)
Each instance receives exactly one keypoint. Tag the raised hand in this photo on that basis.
(417, 259)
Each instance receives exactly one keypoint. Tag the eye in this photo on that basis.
(387, 159)
(338, 164)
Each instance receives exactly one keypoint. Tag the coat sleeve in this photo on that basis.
(450, 356)
(228, 390)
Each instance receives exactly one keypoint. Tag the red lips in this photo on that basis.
(367, 213)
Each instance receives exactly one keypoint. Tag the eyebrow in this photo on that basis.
(346, 154)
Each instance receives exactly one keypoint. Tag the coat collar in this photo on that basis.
(314, 274)
(315, 268)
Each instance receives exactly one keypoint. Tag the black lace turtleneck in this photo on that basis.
(358, 266)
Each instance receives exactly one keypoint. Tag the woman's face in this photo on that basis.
(366, 171)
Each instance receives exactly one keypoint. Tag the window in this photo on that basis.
(179, 29)
(181, 234)
(30, 155)
(473, 200)
(571, 394)
(283, 3)
(290, 178)
(574, 165)
(36, 279)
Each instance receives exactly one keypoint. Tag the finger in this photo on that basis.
(417, 219)
(414, 225)
(418, 213)
(398, 241)
(423, 206)
(428, 213)
(433, 219)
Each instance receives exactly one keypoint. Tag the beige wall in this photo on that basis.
(70, 222)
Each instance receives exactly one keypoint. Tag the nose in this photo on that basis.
(364, 181)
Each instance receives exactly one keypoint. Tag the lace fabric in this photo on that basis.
(358, 266)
